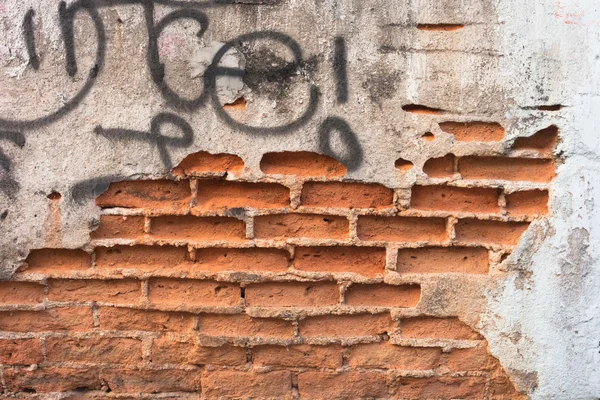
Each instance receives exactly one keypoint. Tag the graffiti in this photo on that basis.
(7, 184)
(339, 67)
(30, 39)
(354, 154)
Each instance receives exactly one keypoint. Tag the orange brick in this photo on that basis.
(368, 261)
(238, 384)
(313, 226)
(142, 258)
(382, 295)
(346, 194)
(51, 379)
(437, 328)
(336, 326)
(166, 351)
(251, 259)
(402, 229)
(448, 198)
(117, 226)
(198, 228)
(125, 319)
(489, 232)
(117, 291)
(474, 131)
(159, 194)
(442, 167)
(21, 293)
(302, 163)
(205, 162)
(292, 294)
(301, 355)
(20, 351)
(439, 388)
(110, 350)
(242, 325)
(55, 319)
(466, 260)
(531, 202)
(385, 355)
(188, 292)
(151, 380)
(213, 195)
(45, 261)
(504, 168)
(473, 359)
(543, 141)
(346, 385)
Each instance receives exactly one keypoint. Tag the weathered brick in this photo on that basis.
(252, 259)
(336, 326)
(158, 194)
(214, 195)
(489, 232)
(472, 359)
(117, 226)
(504, 168)
(543, 141)
(99, 349)
(21, 293)
(167, 351)
(20, 351)
(383, 295)
(301, 355)
(238, 384)
(441, 167)
(431, 260)
(117, 291)
(51, 379)
(437, 328)
(439, 388)
(283, 226)
(203, 161)
(198, 228)
(346, 195)
(189, 292)
(368, 261)
(385, 355)
(142, 258)
(151, 380)
(530, 202)
(474, 131)
(55, 319)
(402, 229)
(302, 163)
(242, 325)
(346, 385)
(47, 261)
(448, 198)
(292, 294)
(126, 319)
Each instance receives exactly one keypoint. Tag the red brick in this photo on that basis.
(448, 198)
(198, 228)
(159, 194)
(292, 294)
(47, 261)
(531, 202)
(346, 195)
(346, 385)
(336, 326)
(382, 295)
(108, 350)
(167, 351)
(437, 328)
(367, 261)
(117, 291)
(472, 359)
(142, 258)
(385, 355)
(20, 351)
(474, 131)
(55, 319)
(242, 325)
(442, 167)
(51, 379)
(543, 141)
(214, 195)
(151, 380)
(188, 292)
(432, 260)
(302, 163)
(313, 226)
(21, 293)
(117, 226)
(238, 384)
(125, 319)
(489, 232)
(402, 229)
(301, 355)
(202, 162)
(504, 168)
(251, 260)
(439, 388)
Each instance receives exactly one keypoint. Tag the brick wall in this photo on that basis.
(300, 284)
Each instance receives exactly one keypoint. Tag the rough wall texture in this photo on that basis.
(303, 199)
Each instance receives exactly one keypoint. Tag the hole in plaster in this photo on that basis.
(238, 104)
(403, 165)
(553, 107)
(440, 27)
(54, 196)
(424, 110)
(430, 137)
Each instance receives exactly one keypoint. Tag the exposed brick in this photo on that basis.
(118, 291)
(55, 319)
(346, 385)
(117, 226)
(301, 163)
(448, 198)
(165, 351)
(403, 165)
(251, 259)
(383, 295)
(51, 379)
(141, 258)
(368, 261)
(242, 325)
(437, 328)
(530, 202)
(301, 355)
(336, 326)
(214, 195)
(504, 168)
(21, 293)
(188, 292)
(466, 260)
(313, 226)
(346, 194)
(474, 131)
(20, 351)
(543, 141)
(203, 161)
(385, 355)
(439, 388)
(472, 359)
(126, 319)
(292, 294)
(238, 384)
(46, 261)
(99, 349)
(402, 229)
(159, 194)
(198, 228)
(489, 232)
(442, 167)
(151, 380)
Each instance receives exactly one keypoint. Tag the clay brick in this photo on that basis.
(292, 294)
(474, 131)
(166, 351)
(45, 261)
(346, 385)
(301, 355)
(312, 226)
(335, 326)
(432, 260)
(437, 328)
(21, 293)
(302, 163)
(238, 384)
(117, 226)
(214, 195)
(142, 258)
(385, 355)
(448, 198)
(504, 168)
(382, 295)
(473, 359)
(367, 261)
(439, 388)
(346, 194)
(442, 167)
(55, 319)
(51, 379)
(530, 202)
(203, 161)
(151, 380)
(242, 325)
(252, 259)
(489, 232)
(20, 351)
(402, 229)
(188, 292)
(125, 319)
(158, 194)
(198, 228)
(117, 291)
(108, 350)
(543, 141)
